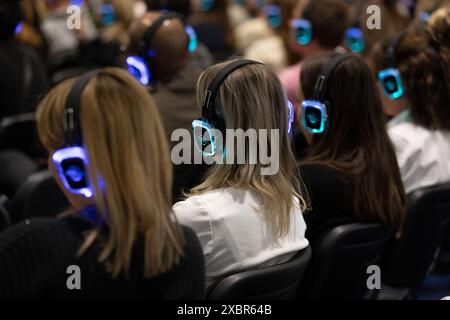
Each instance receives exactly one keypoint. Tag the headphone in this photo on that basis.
(108, 14)
(354, 37)
(211, 120)
(18, 28)
(139, 65)
(273, 15)
(71, 161)
(425, 16)
(206, 5)
(303, 27)
(314, 111)
(390, 77)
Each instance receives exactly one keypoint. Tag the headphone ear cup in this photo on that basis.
(139, 69)
(192, 36)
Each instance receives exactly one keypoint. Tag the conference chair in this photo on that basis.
(39, 196)
(426, 228)
(279, 282)
(339, 268)
(18, 132)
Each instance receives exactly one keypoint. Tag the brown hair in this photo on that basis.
(127, 151)
(356, 143)
(423, 58)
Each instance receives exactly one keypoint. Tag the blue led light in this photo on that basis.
(200, 143)
(424, 16)
(354, 40)
(391, 82)
(290, 106)
(303, 31)
(18, 28)
(192, 39)
(313, 113)
(273, 15)
(73, 172)
(138, 69)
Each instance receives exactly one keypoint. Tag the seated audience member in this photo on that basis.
(414, 69)
(318, 26)
(274, 49)
(22, 76)
(425, 8)
(173, 81)
(30, 33)
(202, 57)
(15, 168)
(213, 27)
(245, 218)
(112, 163)
(350, 169)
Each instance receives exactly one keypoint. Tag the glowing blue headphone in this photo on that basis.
(108, 14)
(314, 111)
(390, 77)
(354, 37)
(211, 120)
(71, 161)
(139, 65)
(18, 28)
(273, 15)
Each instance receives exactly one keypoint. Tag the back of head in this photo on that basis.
(355, 142)
(422, 56)
(129, 168)
(10, 16)
(181, 6)
(252, 97)
(329, 20)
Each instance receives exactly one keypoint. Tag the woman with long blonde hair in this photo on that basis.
(243, 218)
(108, 153)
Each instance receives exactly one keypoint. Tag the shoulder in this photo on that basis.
(318, 172)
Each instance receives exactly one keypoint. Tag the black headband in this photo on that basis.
(391, 55)
(71, 123)
(150, 32)
(320, 87)
(213, 88)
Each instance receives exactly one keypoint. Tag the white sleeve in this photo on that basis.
(193, 214)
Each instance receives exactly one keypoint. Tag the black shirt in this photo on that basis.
(330, 201)
(35, 255)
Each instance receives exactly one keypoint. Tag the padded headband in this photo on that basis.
(214, 86)
(320, 87)
(71, 123)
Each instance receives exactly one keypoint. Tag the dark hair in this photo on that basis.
(10, 16)
(423, 58)
(356, 143)
(180, 6)
(329, 20)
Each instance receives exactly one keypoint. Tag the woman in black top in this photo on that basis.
(350, 168)
(109, 155)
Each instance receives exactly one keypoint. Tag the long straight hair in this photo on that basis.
(356, 143)
(129, 169)
(252, 98)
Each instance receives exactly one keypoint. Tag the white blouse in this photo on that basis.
(234, 234)
(423, 155)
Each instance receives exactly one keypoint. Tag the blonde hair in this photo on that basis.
(252, 97)
(127, 150)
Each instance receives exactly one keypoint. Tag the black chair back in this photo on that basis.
(426, 227)
(271, 283)
(338, 269)
(39, 196)
(18, 132)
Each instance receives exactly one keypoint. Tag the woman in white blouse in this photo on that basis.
(246, 219)
(420, 128)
